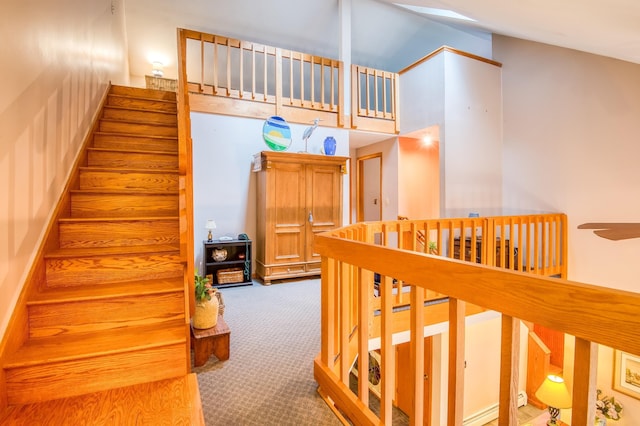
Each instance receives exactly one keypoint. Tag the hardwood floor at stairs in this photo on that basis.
(107, 327)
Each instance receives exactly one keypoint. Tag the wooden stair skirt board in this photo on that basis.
(108, 308)
(174, 401)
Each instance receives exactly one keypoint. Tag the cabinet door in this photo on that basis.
(324, 201)
(285, 213)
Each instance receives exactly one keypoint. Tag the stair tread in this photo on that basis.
(150, 403)
(129, 170)
(107, 251)
(134, 135)
(106, 291)
(124, 108)
(144, 98)
(123, 192)
(50, 349)
(154, 124)
(133, 151)
(115, 219)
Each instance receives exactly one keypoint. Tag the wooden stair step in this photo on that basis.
(142, 93)
(100, 157)
(87, 203)
(118, 232)
(139, 115)
(63, 253)
(98, 266)
(148, 104)
(51, 349)
(107, 291)
(136, 128)
(75, 364)
(174, 401)
(65, 310)
(128, 179)
(135, 142)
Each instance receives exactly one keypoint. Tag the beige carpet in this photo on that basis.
(268, 379)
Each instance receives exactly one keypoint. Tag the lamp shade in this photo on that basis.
(554, 392)
(211, 224)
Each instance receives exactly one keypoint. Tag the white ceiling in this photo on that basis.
(604, 27)
(383, 35)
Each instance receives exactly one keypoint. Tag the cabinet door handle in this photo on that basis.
(310, 217)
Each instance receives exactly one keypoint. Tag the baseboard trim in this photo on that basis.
(490, 413)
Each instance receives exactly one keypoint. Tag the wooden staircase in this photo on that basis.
(109, 309)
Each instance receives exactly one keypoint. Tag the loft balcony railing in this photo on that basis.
(380, 285)
(234, 77)
(374, 95)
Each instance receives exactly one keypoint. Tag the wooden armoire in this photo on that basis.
(299, 195)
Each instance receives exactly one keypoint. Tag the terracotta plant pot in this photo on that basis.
(206, 313)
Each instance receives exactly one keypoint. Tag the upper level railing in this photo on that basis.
(235, 77)
(356, 258)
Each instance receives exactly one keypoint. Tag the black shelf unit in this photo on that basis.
(236, 249)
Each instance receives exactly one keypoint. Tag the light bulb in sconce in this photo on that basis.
(210, 225)
(157, 69)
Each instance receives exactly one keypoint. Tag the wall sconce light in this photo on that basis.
(157, 70)
(210, 225)
(554, 393)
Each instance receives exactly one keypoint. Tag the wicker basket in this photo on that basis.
(227, 276)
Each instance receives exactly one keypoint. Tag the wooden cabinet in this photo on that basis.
(227, 263)
(299, 195)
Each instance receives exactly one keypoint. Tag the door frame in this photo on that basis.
(360, 185)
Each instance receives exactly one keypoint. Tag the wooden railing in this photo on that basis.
(351, 261)
(374, 96)
(242, 78)
(185, 177)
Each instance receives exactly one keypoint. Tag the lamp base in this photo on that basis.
(553, 416)
(209, 237)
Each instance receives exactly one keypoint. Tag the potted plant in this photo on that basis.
(207, 305)
(606, 408)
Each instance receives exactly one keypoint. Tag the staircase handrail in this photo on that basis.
(350, 257)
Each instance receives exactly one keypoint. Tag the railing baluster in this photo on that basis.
(253, 71)
(215, 65)
(201, 63)
(584, 382)
(345, 326)
(375, 92)
(509, 367)
(302, 80)
(291, 79)
(455, 390)
(388, 364)
(322, 87)
(266, 82)
(368, 106)
(365, 315)
(419, 379)
(312, 78)
(228, 66)
(241, 90)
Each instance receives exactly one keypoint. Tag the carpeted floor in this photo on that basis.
(268, 379)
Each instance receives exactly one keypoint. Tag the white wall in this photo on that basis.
(571, 145)
(224, 185)
(462, 96)
(57, 59)
(471, 147)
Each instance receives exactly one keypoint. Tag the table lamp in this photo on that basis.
(554, 393)
(211, 224)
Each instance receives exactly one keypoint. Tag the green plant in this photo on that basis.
(607, 406)
(203, 288)
(432, 247)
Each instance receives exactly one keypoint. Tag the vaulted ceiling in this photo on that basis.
(383, 35)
